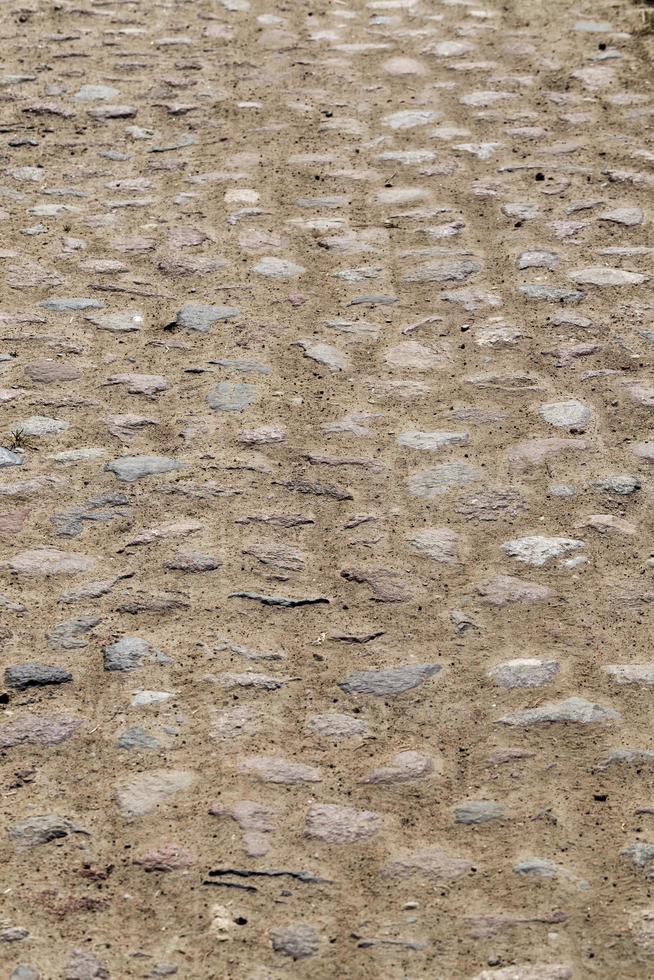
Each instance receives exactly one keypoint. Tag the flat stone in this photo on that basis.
(414, 356)
(40, 830)
(528, 672)
(542, 971)
(389, 680)
(231, 396)
(601, 276)
(623, 216)
(126, 322)
(551, 294)
(129, 469)
(144, 792)
(94, 93)
(272, 267)
(297, 940)
(166, 857)
(404, 767)
(48, 561)
(429, 484)
(71, 634)
(430, 865)
(272, 769)
(341, 824)
(410, 118)
(38, 730)
(640, 853)
(641, 928)
(75, 303)
(573, 710)
(336, 726)
(630, 673)
(24, 972)
(192, 562)
(621, 484)
(537, 259)
(447, 270)
(533, 452)
(197, 316)
(40, 425)
(126, 654)
(432, 441)
(51, 372)
(521, 211)
(631, 757)
(494, 504)
(141, 699)
(83, 965)
(565, 415)
(386, 585)
(7, 458)
(437, 544)
(478, 811)
(136, 738)
(140, 384)
(535, 867)
(325, 354)
(504, 590)
(537, 549)
(22, 676)
(112, 112)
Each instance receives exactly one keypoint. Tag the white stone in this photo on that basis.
(537, 549)
(597, 275)
(565, 415)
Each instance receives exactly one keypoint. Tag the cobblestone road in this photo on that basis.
(326, 575)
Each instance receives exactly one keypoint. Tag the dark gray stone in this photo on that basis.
(136, 738)
(196, 316)
(71, 634)
(231, 396)
(127, 653)
(21, 676)
(391, 680)
(298, 940)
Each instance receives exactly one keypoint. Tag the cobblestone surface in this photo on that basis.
(327, 374)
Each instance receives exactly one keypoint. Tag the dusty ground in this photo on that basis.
(325, 532)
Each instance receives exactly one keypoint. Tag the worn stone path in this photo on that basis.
(326, 557)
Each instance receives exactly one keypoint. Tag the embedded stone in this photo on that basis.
(272, 769)
(389, 680)
(537, 549)
(434, 482)
(231, 396)
(144, 792)
(22, 676)
(129, 469)
(48, 561)
(197, 316)
(573, 710)
(341, 824)
(528, 672)
(297, 940)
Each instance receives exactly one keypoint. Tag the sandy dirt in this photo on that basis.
(326, 558)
